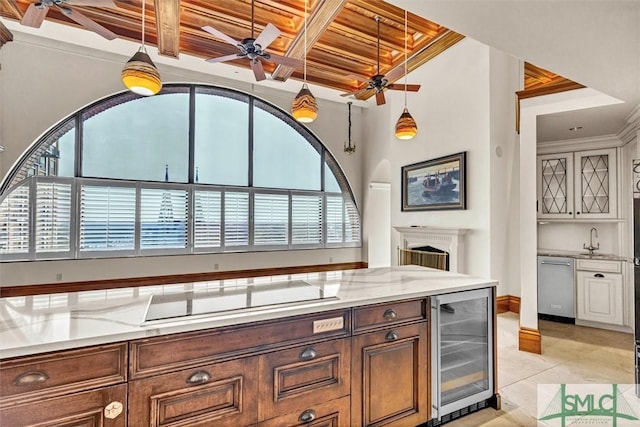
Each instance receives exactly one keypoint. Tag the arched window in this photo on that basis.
(193, 169)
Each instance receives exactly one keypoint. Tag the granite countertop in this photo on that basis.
(581, 255)
(43, 323)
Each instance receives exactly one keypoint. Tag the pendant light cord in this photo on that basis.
(305, 43)
(405, 58)
(252, 19)
(143, 30)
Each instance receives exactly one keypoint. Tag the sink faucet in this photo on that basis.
(591, 248)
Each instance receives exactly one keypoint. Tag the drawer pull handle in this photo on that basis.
(29, 378)
(392, 336)
(390, 314)
(113, 409)
(309, 354)
(199, 377)
(598, 275)
(307, 416)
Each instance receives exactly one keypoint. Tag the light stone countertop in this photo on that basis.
(42, 323)
(581, 255)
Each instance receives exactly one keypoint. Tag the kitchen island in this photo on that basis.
(344, 348)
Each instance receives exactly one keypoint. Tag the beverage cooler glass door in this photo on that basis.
(462, 355)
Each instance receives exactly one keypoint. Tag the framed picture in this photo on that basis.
(438, 184)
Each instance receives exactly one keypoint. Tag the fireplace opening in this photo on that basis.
(425, 256)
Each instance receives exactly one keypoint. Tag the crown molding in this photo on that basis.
(579, 144)
(630, 131)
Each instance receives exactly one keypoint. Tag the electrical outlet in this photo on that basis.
(330, 259)
(215, 266)
(326, 325)
(58, 277)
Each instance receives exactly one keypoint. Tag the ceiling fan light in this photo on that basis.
(304, 107)
(406, 127)
(140, 75)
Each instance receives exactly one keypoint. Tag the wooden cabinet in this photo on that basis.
(73, 387)
(390, 384)
(580, 185)
(223, 394)
(599, 291)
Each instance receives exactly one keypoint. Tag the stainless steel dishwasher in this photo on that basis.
(556, 289)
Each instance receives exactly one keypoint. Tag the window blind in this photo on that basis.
(163, 218)
(53, 217)
(334, 219)
(14, 222)
(107, 218)
(207, 219)
(306, 218)
(236, 218)
(271, 219)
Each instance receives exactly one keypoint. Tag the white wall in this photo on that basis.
(571, 236)
(452, 113)
(44, 81)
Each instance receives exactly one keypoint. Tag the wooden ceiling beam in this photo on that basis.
(168, 27)
(5, 35)
(11, 9)
(323, 14)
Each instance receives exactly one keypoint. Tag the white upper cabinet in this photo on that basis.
(580, 185)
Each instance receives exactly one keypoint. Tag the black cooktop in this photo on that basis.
(231, 298)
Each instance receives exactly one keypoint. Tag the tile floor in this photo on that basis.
(570, 354)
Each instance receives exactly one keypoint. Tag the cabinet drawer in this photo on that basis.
(30, 378)
(223, 394)
(383, 315)
(104, 407)
(294, 379)
(599, 265)
(164, 354)
(334, 413)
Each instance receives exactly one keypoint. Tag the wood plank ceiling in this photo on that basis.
(341, 34)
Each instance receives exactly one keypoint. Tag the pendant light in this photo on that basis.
(304, 107)
(350, 149)
(140, 74)
(406, 127)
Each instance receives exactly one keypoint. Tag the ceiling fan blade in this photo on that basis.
(267, 36)
(408, 88)
(34, 16)
(358, 78)
(380, 98)
(285, 60)
(93, 3)
(219, 34)
(394, 74)
(224, 58)
(87, 22)
(258, 70)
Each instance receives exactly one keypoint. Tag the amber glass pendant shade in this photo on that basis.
(140, 75)
(304, 107)
(406, 127)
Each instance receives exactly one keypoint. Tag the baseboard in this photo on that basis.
(507, 303)
(529, 340)
(514, 304)
(502, 304)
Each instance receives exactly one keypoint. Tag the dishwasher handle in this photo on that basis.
(568, 264)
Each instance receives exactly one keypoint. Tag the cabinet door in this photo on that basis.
(600, 297)
(223, 394)
(389, 385)
(555, 185)
(596, 184)
(105, 407)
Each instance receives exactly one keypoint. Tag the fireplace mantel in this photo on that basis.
(446, 239)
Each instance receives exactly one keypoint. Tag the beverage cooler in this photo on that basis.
(462, 350)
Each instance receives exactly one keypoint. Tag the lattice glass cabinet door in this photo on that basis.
(555, 185)
(596, 184)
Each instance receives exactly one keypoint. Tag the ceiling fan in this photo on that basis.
(380, 82)
(36, 12)
(254, 48)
